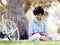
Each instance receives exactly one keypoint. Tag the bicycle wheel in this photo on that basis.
(12, 30)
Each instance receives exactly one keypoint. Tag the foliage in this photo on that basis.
(2, 4)
(44, 3)
(27, 5)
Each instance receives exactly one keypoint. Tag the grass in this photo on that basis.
(26, 42)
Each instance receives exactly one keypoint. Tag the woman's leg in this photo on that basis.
(55, 36)
(36, 36)
(45, 38)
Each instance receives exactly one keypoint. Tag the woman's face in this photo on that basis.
(39, 16)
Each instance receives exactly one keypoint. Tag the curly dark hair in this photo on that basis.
(38, 10)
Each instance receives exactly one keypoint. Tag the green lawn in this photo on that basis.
(26, 42)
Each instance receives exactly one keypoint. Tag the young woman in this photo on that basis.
(38, 27)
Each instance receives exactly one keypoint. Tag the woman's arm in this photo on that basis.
(45, 29)
(31, 28)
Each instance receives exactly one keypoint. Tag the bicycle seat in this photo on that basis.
(2, 13)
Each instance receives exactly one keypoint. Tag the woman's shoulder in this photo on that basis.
(32, 21)
(44, 22)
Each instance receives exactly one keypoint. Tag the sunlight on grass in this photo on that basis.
(26, 42)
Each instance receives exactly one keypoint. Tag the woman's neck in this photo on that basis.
(39, 20)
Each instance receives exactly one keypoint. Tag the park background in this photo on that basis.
(20, 11)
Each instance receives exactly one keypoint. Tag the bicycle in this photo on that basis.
(9, 28)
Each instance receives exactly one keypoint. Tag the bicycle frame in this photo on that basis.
(4, 25)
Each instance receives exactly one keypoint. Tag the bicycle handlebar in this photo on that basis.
(2, 13)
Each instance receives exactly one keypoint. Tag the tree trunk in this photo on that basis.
(16, 13)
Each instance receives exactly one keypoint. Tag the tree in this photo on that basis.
(16, 13)
(27, 5)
